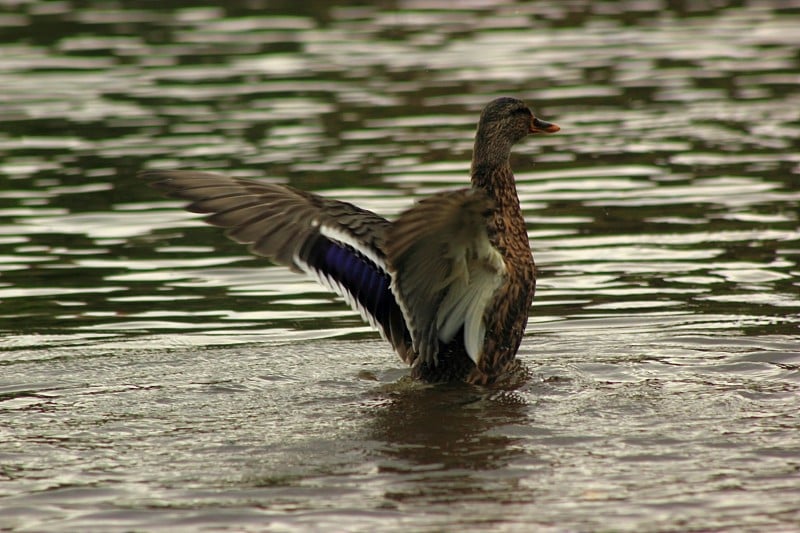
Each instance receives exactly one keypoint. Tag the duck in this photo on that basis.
(448, 283)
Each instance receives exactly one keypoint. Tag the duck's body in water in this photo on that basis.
(448, 284)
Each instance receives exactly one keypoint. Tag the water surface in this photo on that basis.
(156, 377)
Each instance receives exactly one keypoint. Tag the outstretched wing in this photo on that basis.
(273, 219)
(342, 245)
(445, 270)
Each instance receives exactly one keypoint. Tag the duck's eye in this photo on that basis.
(521, 111)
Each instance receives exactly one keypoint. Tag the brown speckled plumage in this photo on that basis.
(448, 284)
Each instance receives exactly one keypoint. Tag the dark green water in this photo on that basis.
(156, 377)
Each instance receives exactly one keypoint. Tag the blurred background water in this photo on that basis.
(154, 376)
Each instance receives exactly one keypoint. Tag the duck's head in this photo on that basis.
(508, 120)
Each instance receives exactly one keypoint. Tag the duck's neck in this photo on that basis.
(493, 176)
(491, 172)
(490, 150)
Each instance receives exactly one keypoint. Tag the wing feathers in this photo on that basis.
(273, 219)
(430, 275)
(445, 270)
(336, 242)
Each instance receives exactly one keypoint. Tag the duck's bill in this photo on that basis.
(541, 126)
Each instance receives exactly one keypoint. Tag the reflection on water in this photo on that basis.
(448, 445)
(451, 431)
(158, 377)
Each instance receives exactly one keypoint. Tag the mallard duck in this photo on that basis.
(448, 283)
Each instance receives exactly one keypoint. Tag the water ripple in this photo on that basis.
(160, 377)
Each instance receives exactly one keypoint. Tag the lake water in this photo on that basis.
(155, 377)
